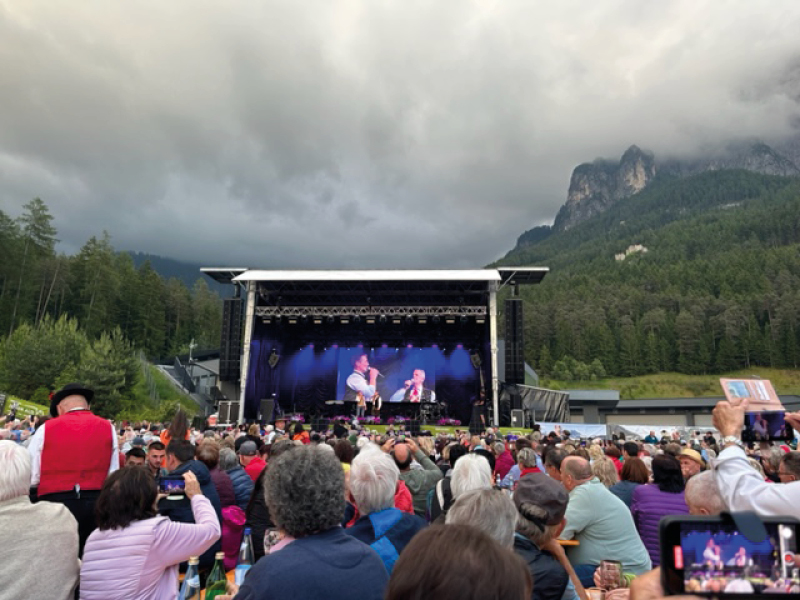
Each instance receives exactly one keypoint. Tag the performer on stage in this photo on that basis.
(72, 455)
(357, 384)
(414, 390)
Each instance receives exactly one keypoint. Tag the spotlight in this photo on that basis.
(435, 320)
(292, 320)
(409, 319)
(480, 320)
(344, 320)
(317, 320)
(396, 320)
(422, 320)
(382, 319)
(357, 319)
(370, 320)
(450, 320)
(329, 320)
(463, 319)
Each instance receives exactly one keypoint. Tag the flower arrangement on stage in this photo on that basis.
(296, 418)
(448, 422)
(372, 420)
(396, 420)
(344, 418)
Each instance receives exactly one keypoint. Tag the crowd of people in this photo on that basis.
(354, 513)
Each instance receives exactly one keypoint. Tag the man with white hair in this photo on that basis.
(41, 558)
(702, 495)
(373, 481)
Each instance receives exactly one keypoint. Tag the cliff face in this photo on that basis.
(594, 187)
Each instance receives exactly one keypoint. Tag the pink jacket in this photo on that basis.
(141, 561)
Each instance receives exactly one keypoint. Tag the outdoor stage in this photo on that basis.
(303, 331)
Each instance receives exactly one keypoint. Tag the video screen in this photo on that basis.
(406, 374)
(172, 486)
(766, 426)
(715, 560)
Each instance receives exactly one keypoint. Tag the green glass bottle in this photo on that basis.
(217, 583)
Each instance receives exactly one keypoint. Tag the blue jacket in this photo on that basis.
(549, 577)
(181, 510)
(330, 565)
(387, 532)
(242, 486)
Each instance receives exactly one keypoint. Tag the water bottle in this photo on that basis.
(217, 582)
(245, 559)
(190, 590)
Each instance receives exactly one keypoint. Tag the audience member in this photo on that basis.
(252, 435)
(600, 522)
(490, 510)
(789, 468)
(480, 569)
(652, 501)
(242, 484)
(630, 450)
(553, 460)
(153, 545)
(156, 454)
(180, 460)
(606, 471)
(691, 463)
(249, 459)
(135, 457)
(741, 487)
(634, 474)
(702, 495)
(373, 481)
(39, 553)
(503, 460)
(442, 497)
(304, 490)
(208, 454)
(72, 455)
(418, 481)
(257, 516)
(541, 503)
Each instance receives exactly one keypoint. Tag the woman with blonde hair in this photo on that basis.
(604, 469)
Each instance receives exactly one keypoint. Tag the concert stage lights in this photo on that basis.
(450, 320)
(317, 320)
(292, 320)
(422, 320)
(370, 320)
(382, 319)
(396, 320)
(344, 320)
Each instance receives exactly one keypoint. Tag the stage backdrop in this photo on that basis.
(303, 378)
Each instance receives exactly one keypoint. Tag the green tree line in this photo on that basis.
(82, 315)
(717, 290)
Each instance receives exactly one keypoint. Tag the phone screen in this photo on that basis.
(172, 486)
(766, 426)
(715, 559)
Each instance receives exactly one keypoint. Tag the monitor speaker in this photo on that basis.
(266, 408)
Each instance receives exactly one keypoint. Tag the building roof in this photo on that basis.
(223, 274)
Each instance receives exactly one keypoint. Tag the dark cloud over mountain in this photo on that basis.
(364, 134)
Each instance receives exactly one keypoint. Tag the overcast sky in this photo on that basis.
(372, 133)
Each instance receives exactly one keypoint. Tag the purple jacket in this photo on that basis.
(648, 505)
(224, 485)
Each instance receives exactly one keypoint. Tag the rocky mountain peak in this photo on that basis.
(596, 186)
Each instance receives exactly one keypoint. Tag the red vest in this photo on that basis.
(77, 449)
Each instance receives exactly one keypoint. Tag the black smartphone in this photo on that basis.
(172, 484)
(709, 556)
(766, 426)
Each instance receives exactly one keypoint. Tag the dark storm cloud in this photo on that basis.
(363, 134)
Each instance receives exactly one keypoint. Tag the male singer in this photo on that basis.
(414, 390)
(357, 382)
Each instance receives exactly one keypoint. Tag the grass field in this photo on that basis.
(678, 385)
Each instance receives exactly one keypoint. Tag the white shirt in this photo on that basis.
(742, 488)
(37, 445)
(400, 394)
(357, 382)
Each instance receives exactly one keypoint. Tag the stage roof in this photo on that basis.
(372, 275)
(223, 274)
(523, 275)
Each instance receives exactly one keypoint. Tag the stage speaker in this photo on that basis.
(266, 409)
(518, 418)
(224, 412)
(514, 346)
(320, 425)
(230, 349)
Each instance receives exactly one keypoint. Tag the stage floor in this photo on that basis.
(437, 429)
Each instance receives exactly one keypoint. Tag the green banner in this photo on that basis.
(24, 408)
